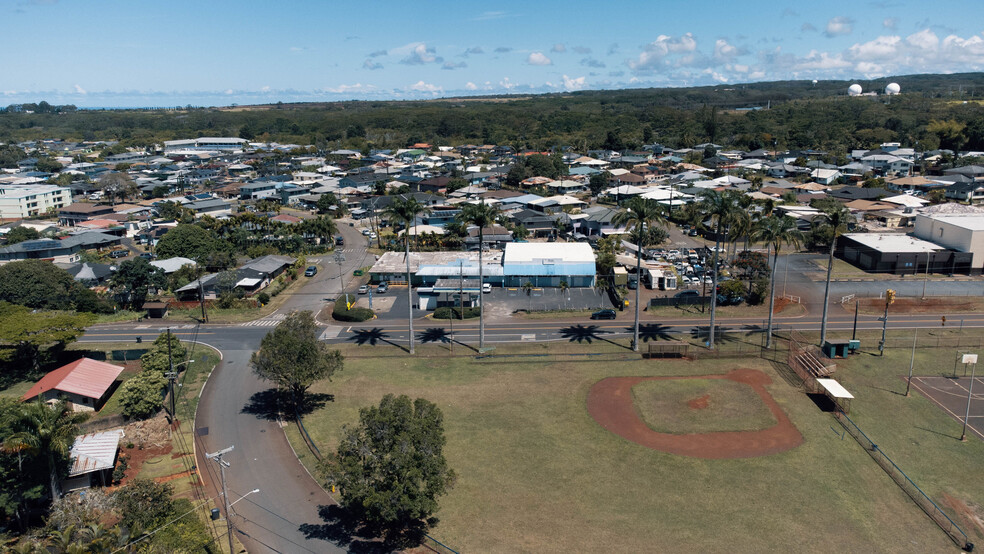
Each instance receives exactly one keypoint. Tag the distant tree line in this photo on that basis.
(937, 111)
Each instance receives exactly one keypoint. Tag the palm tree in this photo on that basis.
(639, 213)
(719, 207)
(832, 222)
(322, 227)
(776, 231)
(482, 215)
(405, 209)
(528, 289)
(47, 432)
(564, 287)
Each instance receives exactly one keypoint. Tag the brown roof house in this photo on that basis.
(84, 383)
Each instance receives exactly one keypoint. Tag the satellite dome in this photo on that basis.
(892, 88)
(854, 90)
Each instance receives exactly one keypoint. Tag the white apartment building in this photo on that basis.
(19, 202)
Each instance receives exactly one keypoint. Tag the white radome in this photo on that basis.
(854, 90)
(893, 88)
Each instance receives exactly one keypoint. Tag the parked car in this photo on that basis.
(692, 233)
(486, 288)
(311, 271)
(383, 287)
(366, 232)
(339, 241)
(147, 256)
(633, 284)
(686, 294)
(118, 254)
(603, 314)
(364, 289)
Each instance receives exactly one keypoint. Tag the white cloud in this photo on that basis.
(228, 91)
(345, 89)
(474, 50)
(420, 54)
(655, 54)
(558, 48)
(573, 84)
(80, 90)
(471, 86)
(265, 88)
(924, 40)
(538, 58)
(421, 86)
(821, 61)
(453, 65)
(506, 83)
(724, 52)
(890, 23)
(486, 16)
(371, 65)
(838, 26)
(884, 47)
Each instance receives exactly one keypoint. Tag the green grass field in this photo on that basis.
(536, 473)
(684, 406)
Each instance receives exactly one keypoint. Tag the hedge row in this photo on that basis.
(356, 314)
(445, 312)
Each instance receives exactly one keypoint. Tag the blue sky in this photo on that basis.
(103, 53)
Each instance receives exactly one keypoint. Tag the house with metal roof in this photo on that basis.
(85, 383)
(93, 458)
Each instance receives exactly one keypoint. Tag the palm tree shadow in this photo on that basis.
(434, 334)
(585, 334)
(721, 334)
(654, 332)
(371, 337)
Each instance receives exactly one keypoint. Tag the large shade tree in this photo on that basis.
(405, 210)
(641, 214)
(390, 468)
(483, 216)
(292, 356)
(776, 231)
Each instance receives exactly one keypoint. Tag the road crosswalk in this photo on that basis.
(268, 321)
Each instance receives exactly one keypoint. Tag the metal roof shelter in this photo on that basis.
(837, 393)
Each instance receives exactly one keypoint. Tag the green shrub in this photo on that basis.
(445, 312)
(263, 298)
(340, 313)
(142, 396)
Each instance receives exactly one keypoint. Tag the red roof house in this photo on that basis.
(85, 383)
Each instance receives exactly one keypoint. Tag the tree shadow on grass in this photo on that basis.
(371, 337)
(271, 404)
(346, 529)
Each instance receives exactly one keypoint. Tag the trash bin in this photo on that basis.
(215, 514)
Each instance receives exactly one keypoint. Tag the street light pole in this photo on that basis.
(217, 458)
(912, 362)
(970, 394)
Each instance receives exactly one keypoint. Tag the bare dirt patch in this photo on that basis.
(972, 515)
(699, 403)
(610, 403)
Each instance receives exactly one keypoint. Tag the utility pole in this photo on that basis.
(854, 333)
(889, 299)
(217, 458)
(201, 295)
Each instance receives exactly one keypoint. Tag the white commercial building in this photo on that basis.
(963, 232)
(19, 202)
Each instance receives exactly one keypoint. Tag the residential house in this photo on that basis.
(65, 250)
(93, 458)
(85, 383)
(72, 215)
(966, 192)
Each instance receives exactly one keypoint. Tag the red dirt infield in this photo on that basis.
(610, 404)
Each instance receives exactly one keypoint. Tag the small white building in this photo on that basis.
(963, 232)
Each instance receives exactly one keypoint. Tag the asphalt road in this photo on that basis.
(280, 517)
